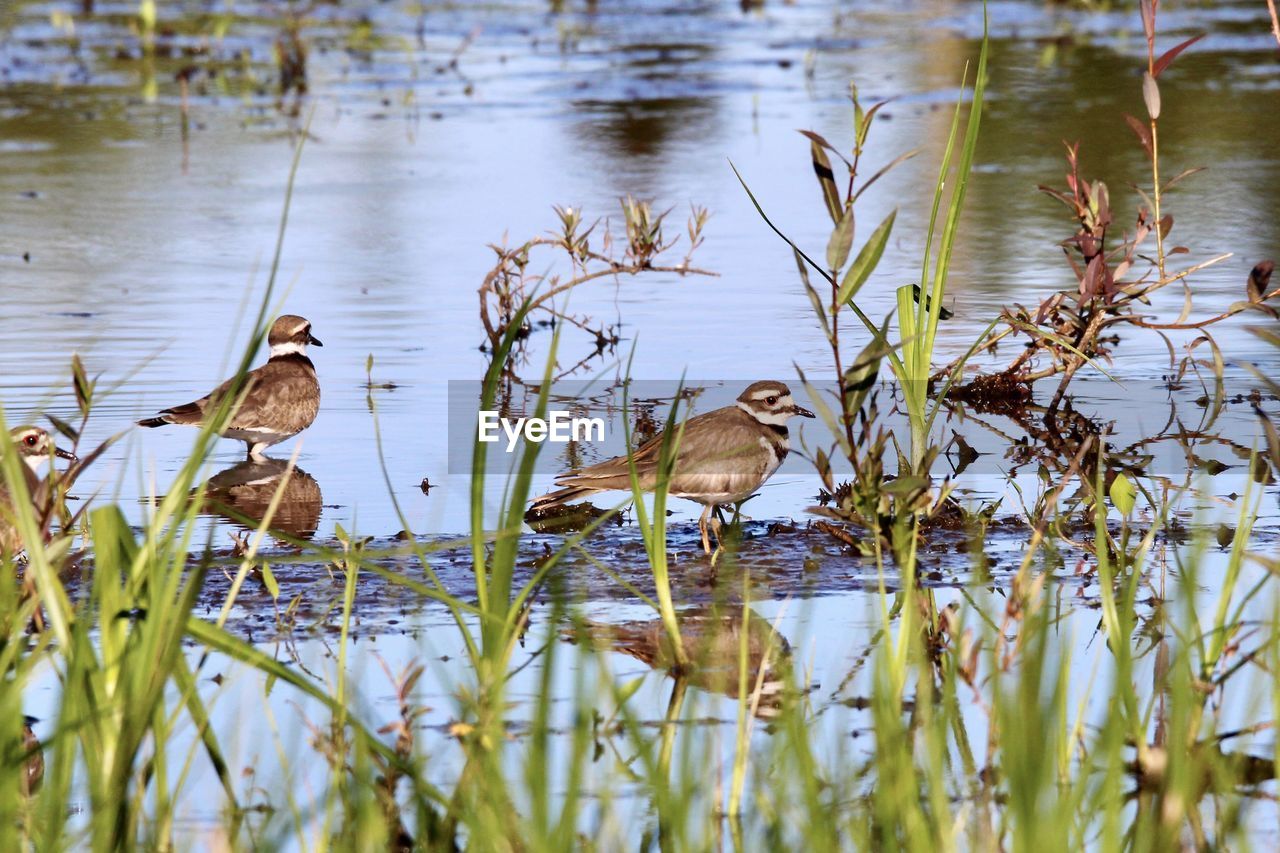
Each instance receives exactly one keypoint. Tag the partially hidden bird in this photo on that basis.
(34, 447)
(723, 456)
(279, 399)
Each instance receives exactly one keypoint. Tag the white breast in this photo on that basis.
(773, 460)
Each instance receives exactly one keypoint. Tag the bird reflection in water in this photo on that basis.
(712, 637)
(243, 493)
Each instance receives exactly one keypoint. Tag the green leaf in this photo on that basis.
(64, 428)
(1122, 494)
(629, 689)
(867, 260)
(269, 580)
(83, 387)
(905, 485)
(841, 241)
(861, 376)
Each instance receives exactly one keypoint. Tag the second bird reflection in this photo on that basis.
(243, 494)
(712, 638)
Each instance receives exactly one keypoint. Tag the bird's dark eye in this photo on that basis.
(771, 400)
(30, 441)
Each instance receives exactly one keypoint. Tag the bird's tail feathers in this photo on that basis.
(560, 497)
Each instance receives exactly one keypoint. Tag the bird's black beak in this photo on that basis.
(65, 454)
(313, 340)
(802, 412)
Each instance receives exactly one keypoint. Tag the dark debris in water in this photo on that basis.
(782, 559)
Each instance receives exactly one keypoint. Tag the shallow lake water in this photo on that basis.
(140, 238)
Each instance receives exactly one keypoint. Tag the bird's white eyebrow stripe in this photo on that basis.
(767, 393)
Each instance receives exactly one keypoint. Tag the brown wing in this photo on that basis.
(282, 394)
(719, 449)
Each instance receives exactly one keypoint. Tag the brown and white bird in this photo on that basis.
(280, 399)
(724, 456)
(34, 448)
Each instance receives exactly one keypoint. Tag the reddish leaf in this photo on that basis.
(1091, 279)
(818, 138)
(1148, 19)
(1058, 194)
(1166, 225)
(821, 140)
(1144, 134)
(1171, 54)
(1185, 173)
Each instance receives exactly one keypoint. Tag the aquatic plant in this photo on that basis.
(518, 280)
(888, 506)
(1115, 279)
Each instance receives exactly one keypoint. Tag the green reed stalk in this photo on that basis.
(918, 321)
(655, 532)
(742, 741)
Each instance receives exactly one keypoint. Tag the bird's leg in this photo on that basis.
(717, 524)
(702, 527)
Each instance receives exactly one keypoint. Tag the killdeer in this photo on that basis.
(724, 456)
(281, 398)
(34, 447)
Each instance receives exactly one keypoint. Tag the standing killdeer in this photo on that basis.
(724, 456)
(34, 447)
(280, 399)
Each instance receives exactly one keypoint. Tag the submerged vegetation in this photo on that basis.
(1115, 687)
